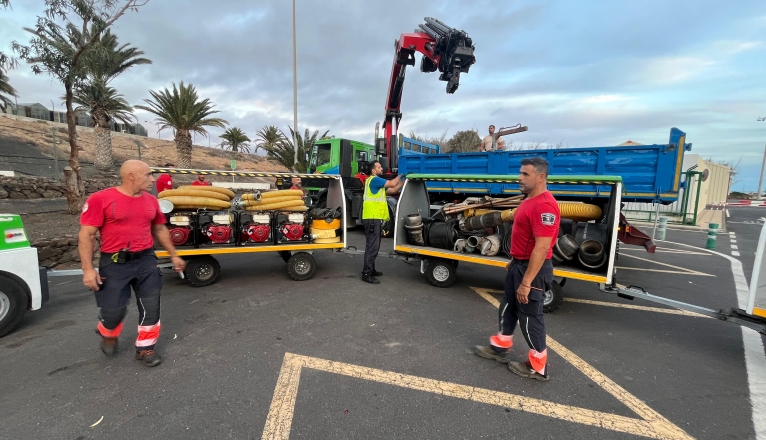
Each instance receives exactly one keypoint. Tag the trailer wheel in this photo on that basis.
(553, 298)
(301, 266)
(441, 273)
(285, 255)
(202, 271)
(13, 303)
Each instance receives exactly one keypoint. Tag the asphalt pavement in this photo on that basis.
(257, 355)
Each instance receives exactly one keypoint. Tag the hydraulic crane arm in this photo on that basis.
(445, 49)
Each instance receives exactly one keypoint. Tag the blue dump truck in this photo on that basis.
(649, 173)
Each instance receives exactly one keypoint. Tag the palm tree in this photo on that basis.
(284, 151)
(105, 61)
(5, 89)
(104, 104)
(235, 140)
(268, 137)
(182, 111)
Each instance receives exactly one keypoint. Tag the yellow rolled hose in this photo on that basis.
(193, 193)
(248, 202)
(507, 215)
(195, 207)
(295, 209)
(321, 224)
(281, 193)
(323, 233)
(327, 240)
(273, 206)
(217, 189)
(579, 211)
(476, 211)
(197, 201)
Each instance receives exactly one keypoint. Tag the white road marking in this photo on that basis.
(734, 246)
(727, 214)
(731, 233)
(755, 361)
(733, 241)
(679, 269)
(735, 253)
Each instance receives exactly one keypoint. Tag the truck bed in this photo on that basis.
(649, 172)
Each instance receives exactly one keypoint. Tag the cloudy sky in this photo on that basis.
(588, 73)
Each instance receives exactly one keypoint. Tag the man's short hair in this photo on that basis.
(371, 166)
(491, 126)
(540, 164)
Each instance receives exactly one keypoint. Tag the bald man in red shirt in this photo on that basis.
(128, 217)
(529, 275)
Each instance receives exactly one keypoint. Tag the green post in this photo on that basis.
(697, 200)
(662, 228)
(712, 234)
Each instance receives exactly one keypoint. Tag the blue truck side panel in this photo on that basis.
(649, 172)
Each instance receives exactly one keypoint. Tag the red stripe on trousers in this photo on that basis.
(501, 341)
(107, 333)
(148, 335)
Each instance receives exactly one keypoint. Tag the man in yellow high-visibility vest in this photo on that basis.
(374, 212)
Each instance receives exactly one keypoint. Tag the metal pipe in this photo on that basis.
(760, 179)
(295, 91)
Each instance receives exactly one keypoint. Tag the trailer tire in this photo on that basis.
(441, 273)
(301, 266)
(202, 271)
(13, 303)
(553, 298)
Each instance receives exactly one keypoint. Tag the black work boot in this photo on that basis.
(487, 352)
(524, 369)
(368, 278)
(375, 273)
(150, 358)
(109, 346)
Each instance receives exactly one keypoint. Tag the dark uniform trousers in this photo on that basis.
(372, 244)
(529, 316)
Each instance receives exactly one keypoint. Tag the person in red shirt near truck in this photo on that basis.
(165, 181)
(529, 274)
(200, 181)
(127, 217)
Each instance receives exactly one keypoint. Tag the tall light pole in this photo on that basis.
(763, 166)
(295, 91)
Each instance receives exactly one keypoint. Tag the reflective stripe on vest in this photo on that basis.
(374, 206)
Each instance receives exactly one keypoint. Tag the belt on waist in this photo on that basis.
(129, 256)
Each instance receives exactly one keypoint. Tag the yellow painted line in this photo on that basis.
(281, 412)
(250, 249)
(759, 312)
(660, 426)
(491, 262)
(681, 142)
(679, 269)
(634, 307)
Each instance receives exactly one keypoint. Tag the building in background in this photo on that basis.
(39, 111)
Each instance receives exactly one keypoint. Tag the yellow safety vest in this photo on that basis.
(374, 206)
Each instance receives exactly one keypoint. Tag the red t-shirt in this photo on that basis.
(165, 181)
(198, 183)
(535, 217)
(124, 221)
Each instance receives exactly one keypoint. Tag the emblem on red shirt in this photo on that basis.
(85, 207)
(548, 219)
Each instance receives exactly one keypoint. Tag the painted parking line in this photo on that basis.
(667, 251)
(650, 424)
(634, 307)
(678, 269)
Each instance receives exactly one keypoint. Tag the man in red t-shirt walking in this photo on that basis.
(200, 181)
(127, 217)
(530, 274)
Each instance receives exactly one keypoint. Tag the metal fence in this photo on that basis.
(683, 211)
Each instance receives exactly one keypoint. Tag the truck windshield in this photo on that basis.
(321, 160)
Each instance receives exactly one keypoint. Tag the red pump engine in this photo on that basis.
(256, 232)
(219, 230)
(180, 229)
(292, 228)
(292, 231)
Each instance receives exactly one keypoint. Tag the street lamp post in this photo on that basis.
(295, 92)
(763, 166)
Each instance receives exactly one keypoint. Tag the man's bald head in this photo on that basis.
(136, 176)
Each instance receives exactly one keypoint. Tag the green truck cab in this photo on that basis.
(23, 284)
(349, 159)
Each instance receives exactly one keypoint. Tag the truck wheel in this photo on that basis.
(441, 273)
(13, 303)
(301, 266)
(553, 298)
(285, 255)
(202, 271)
